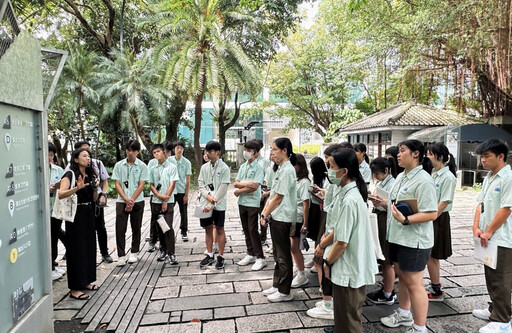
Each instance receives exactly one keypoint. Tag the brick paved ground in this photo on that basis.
(153, 297)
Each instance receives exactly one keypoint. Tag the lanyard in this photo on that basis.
(160, 172)
(485, 193)
(400, 185)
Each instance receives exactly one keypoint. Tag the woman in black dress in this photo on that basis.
(80, 234)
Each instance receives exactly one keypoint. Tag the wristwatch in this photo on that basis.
(327, 263)
(266, 218)
(406, 221)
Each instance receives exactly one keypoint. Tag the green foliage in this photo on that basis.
(312, 149)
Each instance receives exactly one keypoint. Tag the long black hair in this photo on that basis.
(300, 163)
(361, 148)
(318, 170)
(382, 164)
(75, 168)
(285, 143)
(392, 153)
(347, 158)
(438, 149)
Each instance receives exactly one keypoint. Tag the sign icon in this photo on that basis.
(8, 141)
(7, 122)
(11, 207)
(10, 189)
(10, 171)
(14, 237)
(13, 256)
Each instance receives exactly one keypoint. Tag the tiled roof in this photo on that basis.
(410, 114)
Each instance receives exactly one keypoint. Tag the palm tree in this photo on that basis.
(198, 54)
(131, 88)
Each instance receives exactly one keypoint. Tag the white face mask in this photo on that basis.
(247, 155)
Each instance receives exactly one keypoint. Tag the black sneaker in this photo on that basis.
(378, 297)
(207, 261)
(436, 296)
(329, 329)
(107, 258)
(151, 247)
(184, 236)
(220, 262)
(173, 260)
(161, 256)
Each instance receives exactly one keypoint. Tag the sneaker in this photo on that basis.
(184, 236)
(259, 264)
(495, 326)
(329, 329)
(313, 269)
(413, 329)
(56, 275)
(173, 260)
(321, 312)
(207, 261)
(378, 297)
(161, 256)
(483, 314)
(151, 247)
(133, 258)
(436, 297)
(220, 262)
(299, 281)
(59, 270)
(295, 270)
(246, 260)
(121, 261)
(269, 291)
(269, 250)
(107, 258)
(319, 303)
(309, 264)
(396, 319)
(278, 297)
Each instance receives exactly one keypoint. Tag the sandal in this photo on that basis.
(82, 296)
(92, 287)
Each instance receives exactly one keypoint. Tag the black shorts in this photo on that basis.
(409, 259)
(442, 237)
(295, 229)
(217, 219)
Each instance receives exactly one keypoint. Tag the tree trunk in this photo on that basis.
(141, 132)
(79, 113)
(174, 114)
(198, 113)
(223, 127)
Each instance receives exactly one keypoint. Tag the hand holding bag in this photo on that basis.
(65, 209)
(199, 213)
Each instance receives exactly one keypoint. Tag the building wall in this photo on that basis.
(398, 136)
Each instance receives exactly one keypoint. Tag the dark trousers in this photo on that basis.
(250, 221)
(178, 199)
(167, 243)
(56, 234)
(283, 269)
(263, 229)
(499, 284)
(153, 231)
(122, 224)
(101, 231)
(326, 284)
(348, 308)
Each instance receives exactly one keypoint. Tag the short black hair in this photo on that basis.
(158, 146)
(178, 143)
(213, 145)
(414, 145)
(52, 148)
(81, 143)
(132, 145)
(346, 144)
(495, 146)
(253, 144)
(332, 148)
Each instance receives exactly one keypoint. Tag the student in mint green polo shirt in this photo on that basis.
(281, 212)
(182, 185)
(493, 223)
(410, 236)
(248, 183)
(350, 261)
(130, 175)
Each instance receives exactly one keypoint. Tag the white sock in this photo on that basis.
(387, 294)
(210, 254)
(423, 329)
(404, 313)
(301, 273)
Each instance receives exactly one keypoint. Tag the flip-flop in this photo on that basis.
(93, 287)
(82, 296)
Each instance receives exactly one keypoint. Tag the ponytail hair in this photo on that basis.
(382, 164)
(361, 148)
(285, 143)
(392, 155)
(439, 150)
(347, 158)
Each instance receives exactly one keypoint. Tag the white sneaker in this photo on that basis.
(309, 264)
(319, 303)
(278, 297)
(56, 275)
(396, 319)
(259, 264)
(313, 269)
(133, 258)
(59, 270)
(269, 291)
(121, 261)
(295, 270)
(299, 281)
(246, 260)
(495, 326)
(483, 314)
(321, 312)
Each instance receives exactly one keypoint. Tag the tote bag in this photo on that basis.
(65, 209)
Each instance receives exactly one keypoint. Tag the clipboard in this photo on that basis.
(487, 255)
(413, 203)
(381, 193)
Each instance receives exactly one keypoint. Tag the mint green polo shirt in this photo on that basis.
(269, 176)
(134, 174)
(302, 195)
(386, 185)
(215, 175)
(445, 183)
(152, 163)
(263, 162)
(163, 174)
(357, 266)
(417, 184)
(285, 184)
(250, 172)
(184, 169)
(366, 172)
(329, 201)
(497, 193)
(56, 173)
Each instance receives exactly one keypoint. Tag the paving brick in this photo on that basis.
(206, 302)
(269, 322)
(173, 281)
(197, 314)
(165, 292)
(206, 289)
(468, 304)
(155, 306)
(216, 326)
(155, 318)
(229, 312)
(275, 308)
(247, 286)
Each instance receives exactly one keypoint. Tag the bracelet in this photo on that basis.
(328, 264)
(321, 248)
